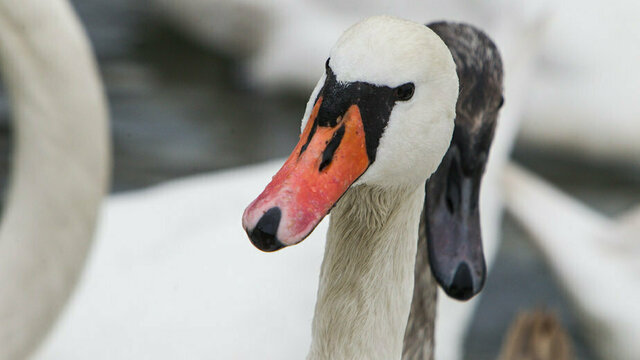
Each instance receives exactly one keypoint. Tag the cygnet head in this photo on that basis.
(382, 114)
(451, 212)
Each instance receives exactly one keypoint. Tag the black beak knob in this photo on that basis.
(263, 236)
(461, 286)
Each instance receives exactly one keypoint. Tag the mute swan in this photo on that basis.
(372, 134)
(594, 258)
(451, 220)
(60, 167)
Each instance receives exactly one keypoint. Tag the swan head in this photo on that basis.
(382, 114)
(451, 210)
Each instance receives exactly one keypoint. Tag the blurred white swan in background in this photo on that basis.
(595, 258)
(582, 100)
(60, 166)
(282, 40)
(172, 275)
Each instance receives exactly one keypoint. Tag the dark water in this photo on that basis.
(178, 109)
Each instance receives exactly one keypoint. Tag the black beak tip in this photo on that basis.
(461, 286)
(263, 236)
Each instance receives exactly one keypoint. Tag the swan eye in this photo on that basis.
(404, 92)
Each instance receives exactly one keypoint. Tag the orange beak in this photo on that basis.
(326, 161)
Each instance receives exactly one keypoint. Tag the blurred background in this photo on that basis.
(185, 104)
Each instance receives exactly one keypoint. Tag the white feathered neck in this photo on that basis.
(366, 280)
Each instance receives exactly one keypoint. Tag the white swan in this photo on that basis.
(595, 259)
(177, 287)
(280, 40)
(583, 102)
(60, 166)
(372, 134)
(577, 65)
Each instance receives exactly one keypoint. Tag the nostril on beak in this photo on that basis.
(263, 236)
(461, 287)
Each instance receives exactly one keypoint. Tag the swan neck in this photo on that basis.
(59, 170)
(419, 334)
(366, 279)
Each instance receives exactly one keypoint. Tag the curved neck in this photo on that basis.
(419, 334)
(60, 166)
(366, 280)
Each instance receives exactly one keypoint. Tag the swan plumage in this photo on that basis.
(581, 76)
(60, 166)
(294, 36)
(174, 276)
(583, 99)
